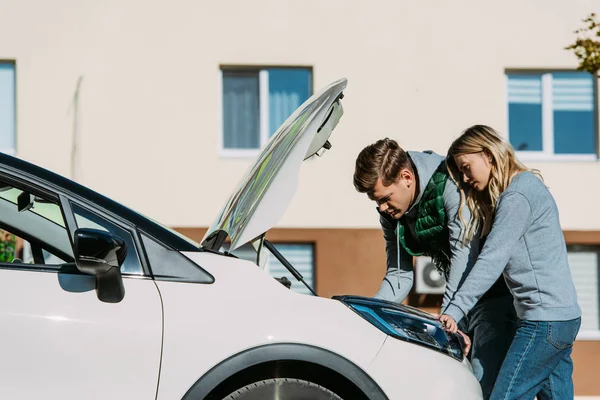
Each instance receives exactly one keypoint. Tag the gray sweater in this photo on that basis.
(526, 244)
(399, 276)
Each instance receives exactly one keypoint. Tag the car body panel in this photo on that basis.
(246, 308)
(409, 372)
(60, 342)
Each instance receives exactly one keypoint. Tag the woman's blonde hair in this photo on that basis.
(505, 165)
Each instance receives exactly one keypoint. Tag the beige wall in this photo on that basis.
(149, 104)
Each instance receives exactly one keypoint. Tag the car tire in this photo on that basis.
(284, 389)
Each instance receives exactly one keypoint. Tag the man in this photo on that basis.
(419, 204)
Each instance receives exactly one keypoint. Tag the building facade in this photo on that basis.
(163, 106)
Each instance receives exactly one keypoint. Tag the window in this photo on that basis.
(87, 219)
(18, 251)
(256, 102)
(585, 269)
(300, 255)
(9, 246)
(552, 115)
(7, 107)
(33, 233)
(33, 230)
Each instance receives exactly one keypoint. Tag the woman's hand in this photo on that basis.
(451, 326)
(467, 341)
(449, 323)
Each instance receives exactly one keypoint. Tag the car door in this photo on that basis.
(57, 339)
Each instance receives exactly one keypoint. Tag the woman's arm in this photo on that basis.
(512, 219)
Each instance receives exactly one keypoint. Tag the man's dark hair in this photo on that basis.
(383, 159)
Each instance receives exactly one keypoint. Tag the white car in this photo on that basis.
(115, 306)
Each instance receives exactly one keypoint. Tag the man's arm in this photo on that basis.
(398, 279)
(462, 257)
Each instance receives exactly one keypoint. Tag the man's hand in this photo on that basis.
(467, 341)
(449, 323)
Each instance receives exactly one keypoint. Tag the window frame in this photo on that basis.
(69, 215)
(547, 153)
(263, 98)
(36, 191)
(588, 335)
(41, 192)
(12, 151)
(34, 242)
(138, 248)
(32, 185)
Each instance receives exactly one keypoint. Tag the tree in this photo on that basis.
(8, 245)
(587, 45)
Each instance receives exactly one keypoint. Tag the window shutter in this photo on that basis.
(572, 91)
(585, 272)
(301, 256)
(525, 89)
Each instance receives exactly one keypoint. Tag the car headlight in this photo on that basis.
(406, 323)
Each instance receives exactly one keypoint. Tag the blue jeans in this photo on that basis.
(491, 325)
(539, 362)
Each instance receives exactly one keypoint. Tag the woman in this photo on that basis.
(524, 243)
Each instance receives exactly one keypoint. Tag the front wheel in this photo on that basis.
(284, 389)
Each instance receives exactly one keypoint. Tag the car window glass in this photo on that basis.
(9, 246)
(49, 258)
(88, 219)
(48, 210)
(19, 251)
(37, 225)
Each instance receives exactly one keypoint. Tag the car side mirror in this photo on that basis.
(101, 254)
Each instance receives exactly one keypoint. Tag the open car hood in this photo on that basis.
(264, 193)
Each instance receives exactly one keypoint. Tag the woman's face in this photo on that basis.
(475, 169)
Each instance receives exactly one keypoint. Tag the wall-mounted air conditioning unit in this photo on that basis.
(427, 278)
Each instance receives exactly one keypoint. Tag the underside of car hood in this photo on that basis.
(264, 193)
